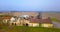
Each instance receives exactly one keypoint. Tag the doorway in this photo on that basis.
(26, 24)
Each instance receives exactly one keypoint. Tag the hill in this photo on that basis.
(51, 14)
(44, 14)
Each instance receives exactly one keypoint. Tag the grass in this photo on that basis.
(27, 29)
(54, 19)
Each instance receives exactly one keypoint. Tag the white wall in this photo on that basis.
(34, 24)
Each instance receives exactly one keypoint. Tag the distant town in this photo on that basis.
(29, 19)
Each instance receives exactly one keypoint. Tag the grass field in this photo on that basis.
(27, 29)
(54, 19)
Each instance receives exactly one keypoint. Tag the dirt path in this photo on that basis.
(56, 24)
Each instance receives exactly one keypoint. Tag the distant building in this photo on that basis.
(6, 19)
(31, 19)
(34, 22)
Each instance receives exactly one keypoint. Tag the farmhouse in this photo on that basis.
(6, 19)
(46, 23)
(34, 22)
(29, 20)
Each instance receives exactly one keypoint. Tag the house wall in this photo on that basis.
(5, 20)
(47, 25)
(34, 24)
(18, 24)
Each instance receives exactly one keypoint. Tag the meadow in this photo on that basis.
(27, 29)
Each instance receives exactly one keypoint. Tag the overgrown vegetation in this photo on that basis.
(4, 15)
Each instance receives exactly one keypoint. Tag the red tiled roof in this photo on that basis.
(35, 20)
(46, 21)
(8, 17)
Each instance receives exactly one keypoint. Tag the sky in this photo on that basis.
(29, 5)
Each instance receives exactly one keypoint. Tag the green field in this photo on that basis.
(27, 29)
(54, 19)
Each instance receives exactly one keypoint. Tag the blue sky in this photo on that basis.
(30, 5)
